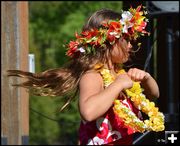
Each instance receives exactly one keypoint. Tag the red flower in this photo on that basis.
(73, 46)
(77, 35)
(90, 34)
(140, 28)
(114, 30)
(110, 38)
(115, 25)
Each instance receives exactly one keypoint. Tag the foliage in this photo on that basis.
(51, 25)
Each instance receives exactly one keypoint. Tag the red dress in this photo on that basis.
(108, 129)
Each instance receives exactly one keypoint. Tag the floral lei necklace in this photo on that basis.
(156, 118)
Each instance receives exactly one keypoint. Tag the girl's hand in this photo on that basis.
(124, 80)
(138, 75)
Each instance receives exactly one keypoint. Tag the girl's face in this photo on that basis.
(121, 51)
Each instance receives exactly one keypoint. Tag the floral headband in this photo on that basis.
(131, 26)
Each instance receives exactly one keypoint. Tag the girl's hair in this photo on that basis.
(65, 80)
(96, 19)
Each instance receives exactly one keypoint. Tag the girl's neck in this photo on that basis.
(110, 67)
(113, 67)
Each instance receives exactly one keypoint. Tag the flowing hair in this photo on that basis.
(65, 80)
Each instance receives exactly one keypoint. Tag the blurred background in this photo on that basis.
(51, 25)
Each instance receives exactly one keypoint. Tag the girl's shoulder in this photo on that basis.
(91, 75)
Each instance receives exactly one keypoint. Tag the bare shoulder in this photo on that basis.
(91, 76)
(90, 84)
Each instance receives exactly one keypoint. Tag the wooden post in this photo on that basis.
(14, 55)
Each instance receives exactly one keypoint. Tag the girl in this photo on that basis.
(95, 72)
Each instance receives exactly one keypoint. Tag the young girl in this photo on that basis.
(110, 99)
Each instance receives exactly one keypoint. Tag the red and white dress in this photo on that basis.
(108, 129)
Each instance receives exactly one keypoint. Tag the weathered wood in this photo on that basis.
(14, 55)
(23, 20)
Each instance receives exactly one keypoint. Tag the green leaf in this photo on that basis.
(88, 49)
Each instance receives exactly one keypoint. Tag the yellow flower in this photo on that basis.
(156, 118)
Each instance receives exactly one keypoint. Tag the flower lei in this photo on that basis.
(156, 118)
(131, 26)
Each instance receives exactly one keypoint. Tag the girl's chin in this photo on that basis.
(125, 60)
(121, 62)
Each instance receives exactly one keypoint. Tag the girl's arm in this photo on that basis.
(94, 100)
(150, 86)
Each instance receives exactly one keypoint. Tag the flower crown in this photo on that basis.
(131, 26)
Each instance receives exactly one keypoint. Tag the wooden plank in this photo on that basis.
(10, 121)
(23, 20)
(14, 32)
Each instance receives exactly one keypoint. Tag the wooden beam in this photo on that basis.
(15, 102)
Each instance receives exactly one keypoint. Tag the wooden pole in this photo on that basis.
(14, 55)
